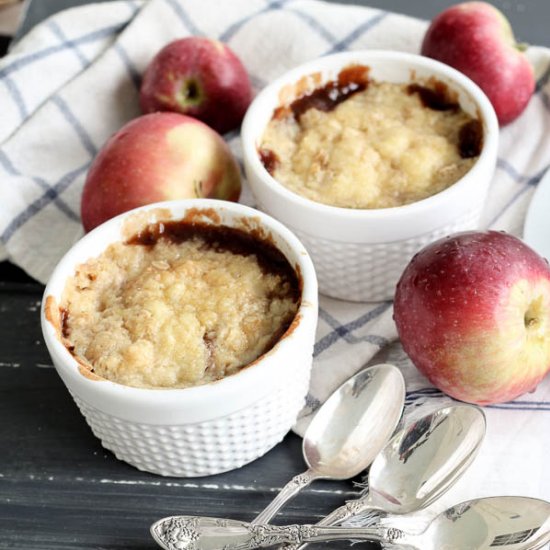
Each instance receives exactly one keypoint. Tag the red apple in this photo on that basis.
(476, 39)
(158, 157)
(198, 77)
(473, 313)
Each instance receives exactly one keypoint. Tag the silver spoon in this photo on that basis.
(506, 523)
(348, 431)
(419, 464)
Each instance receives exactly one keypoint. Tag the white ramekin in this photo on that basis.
(205, 429)
(359, 254)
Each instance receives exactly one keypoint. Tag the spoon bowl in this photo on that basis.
(506, 523)
(424, 460)
(355, 422)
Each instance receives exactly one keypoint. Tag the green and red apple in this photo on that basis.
(477, 39)
(473, 313)
(158, 157)
(199, 77)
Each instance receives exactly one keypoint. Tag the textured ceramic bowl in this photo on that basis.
(359, 254)
(204, 429)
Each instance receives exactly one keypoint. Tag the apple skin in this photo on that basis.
(477, 39)
(158, 157)
(473, 314)
(199, 77)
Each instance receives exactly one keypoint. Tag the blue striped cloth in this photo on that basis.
(73, 81)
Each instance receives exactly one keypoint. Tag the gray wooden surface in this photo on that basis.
(59, 489)
(530, 18)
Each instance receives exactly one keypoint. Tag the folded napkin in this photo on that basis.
(73, 81)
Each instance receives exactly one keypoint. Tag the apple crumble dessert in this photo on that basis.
(179, 304)
(359, 143)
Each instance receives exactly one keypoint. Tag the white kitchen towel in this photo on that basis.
(73, 81)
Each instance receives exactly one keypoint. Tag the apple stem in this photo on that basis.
(533, 313)
(190, 93)
(530, 321)
(197, 184)
(192, 90)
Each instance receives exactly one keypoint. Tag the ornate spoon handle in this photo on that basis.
(201, 533)
(339, 515)
(289, 491)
